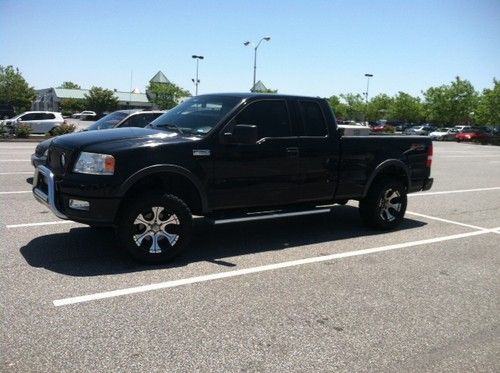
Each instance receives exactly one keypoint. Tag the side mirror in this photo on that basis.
(243, 134)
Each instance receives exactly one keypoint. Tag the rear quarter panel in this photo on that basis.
(361, 155)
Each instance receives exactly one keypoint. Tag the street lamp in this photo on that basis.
(196, 81)
(368, 76)
(266, 38)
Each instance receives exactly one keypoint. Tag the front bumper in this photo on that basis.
(46, 190)
(38, 160)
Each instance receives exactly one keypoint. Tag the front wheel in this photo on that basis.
(385, 205)
(155, 229)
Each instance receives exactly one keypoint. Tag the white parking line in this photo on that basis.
(264, 268)
(39, 224)
(451, 192)
(16, 160)
(470, 156)
(449, 221)
(17, 192)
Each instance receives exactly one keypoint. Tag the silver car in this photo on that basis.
(39, 121)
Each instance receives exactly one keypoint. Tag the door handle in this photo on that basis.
(292, 152)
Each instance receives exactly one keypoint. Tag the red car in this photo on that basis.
(472, 134)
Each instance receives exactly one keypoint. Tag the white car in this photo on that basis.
(443, 134)
(462, 128)
(86, 114)
(39, 121)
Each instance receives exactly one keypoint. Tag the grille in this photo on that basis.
(54, 160)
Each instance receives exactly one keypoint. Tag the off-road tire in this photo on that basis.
(385, 204)
(155, 229)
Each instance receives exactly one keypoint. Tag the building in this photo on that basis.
(48, 99)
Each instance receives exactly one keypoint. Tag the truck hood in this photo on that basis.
(115, 138)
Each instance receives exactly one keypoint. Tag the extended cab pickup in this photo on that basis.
(221, 154)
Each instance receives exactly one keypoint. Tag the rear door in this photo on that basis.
(319, 151)
(261, 174)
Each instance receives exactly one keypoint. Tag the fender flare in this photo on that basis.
(399, 165)
(162, 169)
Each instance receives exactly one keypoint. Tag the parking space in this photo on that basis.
(314, 292)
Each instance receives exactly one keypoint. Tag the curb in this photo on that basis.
(30, 139)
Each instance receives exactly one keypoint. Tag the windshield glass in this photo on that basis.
(196, 116)
(109, 121)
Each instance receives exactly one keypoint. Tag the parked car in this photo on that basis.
(423, 130)
(125, 118)
(382, 128)
(221, 154)
(85, 115)
(39, 121)
(444, 134)
(473, 134)
(462, 128)
(116, 119)
(6, 111)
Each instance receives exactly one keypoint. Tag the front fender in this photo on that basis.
(166, 168)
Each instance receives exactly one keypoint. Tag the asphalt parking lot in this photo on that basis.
(304, 293)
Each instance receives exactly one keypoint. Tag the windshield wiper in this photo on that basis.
(171, 125)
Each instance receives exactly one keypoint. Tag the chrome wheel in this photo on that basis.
(390, 205)
(156, 230)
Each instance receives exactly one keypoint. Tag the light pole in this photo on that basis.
(368, 76)
(197, 81)
(266, 38)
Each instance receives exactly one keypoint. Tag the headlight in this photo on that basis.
(95, 164)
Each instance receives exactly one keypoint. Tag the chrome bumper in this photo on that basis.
(48, 199)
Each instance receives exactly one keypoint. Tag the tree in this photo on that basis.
(70, 85)
(166, 95)
(71, 105)
(378, 107)
(338, 107)
(267, 90)
(15, 90)
(355, 106)
(406, 108)
(100, 100)
(488, 109)
(451, 104)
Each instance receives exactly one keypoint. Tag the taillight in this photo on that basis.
(429, 156)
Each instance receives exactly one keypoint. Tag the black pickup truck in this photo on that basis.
(226, 154)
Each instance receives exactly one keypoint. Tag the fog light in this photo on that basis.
(76, 204)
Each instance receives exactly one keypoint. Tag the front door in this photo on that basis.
(262, 174)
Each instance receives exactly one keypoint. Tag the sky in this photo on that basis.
(317, 48)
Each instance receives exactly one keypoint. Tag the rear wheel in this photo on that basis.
(385, 205)
(155, 229)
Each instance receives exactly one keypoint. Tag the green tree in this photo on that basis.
(267, 90)
(355, 106)
(406, 108)
(166, 95)
(338, 107)
(488, 108)
(100, 100)
(451, 104)
(378, 107)
(70, 85)
(71, 105)
(15, 90)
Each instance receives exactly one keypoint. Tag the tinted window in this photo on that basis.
(312, 117)
(139, 120)
(32, 116)
(270, 117)
(48, 116)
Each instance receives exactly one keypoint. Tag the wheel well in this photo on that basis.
(392, 172)
(175, 184)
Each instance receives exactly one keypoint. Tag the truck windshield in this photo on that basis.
(196, 116)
